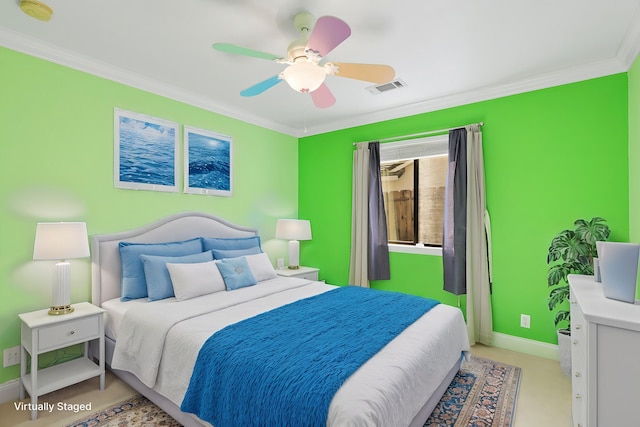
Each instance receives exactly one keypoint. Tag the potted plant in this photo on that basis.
(571, 252)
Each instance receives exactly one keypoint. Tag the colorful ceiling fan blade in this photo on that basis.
(375, 73)
(328, 33)
(322, 97)
(239, 50)
(257, 89)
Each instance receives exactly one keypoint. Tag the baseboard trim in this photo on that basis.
(526, 346)
(9, 391)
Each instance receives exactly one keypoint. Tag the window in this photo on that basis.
(414, 175)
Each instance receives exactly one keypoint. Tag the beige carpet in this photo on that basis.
(86, 392)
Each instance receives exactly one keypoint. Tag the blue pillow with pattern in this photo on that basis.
(236, 273)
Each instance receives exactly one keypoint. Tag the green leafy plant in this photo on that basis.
(572, 252)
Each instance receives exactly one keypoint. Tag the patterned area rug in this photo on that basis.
(135, 412)
(482, 394)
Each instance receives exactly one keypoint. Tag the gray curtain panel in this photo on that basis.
(454, 244)
(358, 265)
(378, 256)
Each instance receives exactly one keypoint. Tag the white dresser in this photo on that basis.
(605, 357)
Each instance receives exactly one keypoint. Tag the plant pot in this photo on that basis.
(564, 350)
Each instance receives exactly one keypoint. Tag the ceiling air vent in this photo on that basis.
(386, 87)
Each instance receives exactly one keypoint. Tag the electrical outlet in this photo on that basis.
(525, 321)
(11, 356)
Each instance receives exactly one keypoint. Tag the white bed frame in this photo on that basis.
(106, 273)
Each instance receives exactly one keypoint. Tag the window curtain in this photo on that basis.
(369, 241)
(465, 240)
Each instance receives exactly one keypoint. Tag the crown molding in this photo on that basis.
(570, 75)
(627, 54)
(630, 46)
(55, 54)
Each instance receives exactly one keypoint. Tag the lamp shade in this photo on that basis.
(61, 240)
(304, 76)
(293, 229)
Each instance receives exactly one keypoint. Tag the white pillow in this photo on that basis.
(261, 267)
(195, 279)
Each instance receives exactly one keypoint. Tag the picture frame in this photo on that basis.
(208, 162)
(146, 152)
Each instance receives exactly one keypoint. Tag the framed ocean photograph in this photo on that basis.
(145, 152)
(207, 162)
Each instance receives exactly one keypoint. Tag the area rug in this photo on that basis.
(135, 412)
(482, 394)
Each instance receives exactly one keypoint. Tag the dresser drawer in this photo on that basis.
(67, 333)
(578, 410)
(578, 349)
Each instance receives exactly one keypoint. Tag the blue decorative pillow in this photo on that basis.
(159, 285)
(235, 253)
(234, 243)
(133, 284)
(236, 273)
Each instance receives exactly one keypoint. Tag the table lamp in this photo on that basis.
(293, 230)
(61, 241)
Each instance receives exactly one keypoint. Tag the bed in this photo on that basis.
(399, 385)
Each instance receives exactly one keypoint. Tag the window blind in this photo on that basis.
(414, 148)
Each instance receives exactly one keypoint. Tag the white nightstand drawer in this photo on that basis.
(307, 273)
(70, 332)
(309, 276)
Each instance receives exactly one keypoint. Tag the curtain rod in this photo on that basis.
(418, 135)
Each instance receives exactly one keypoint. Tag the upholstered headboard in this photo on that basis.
(105, 262)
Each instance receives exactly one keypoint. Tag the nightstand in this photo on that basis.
(308, 273)
(41, 333)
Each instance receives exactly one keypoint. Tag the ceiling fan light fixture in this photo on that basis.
(304, 76)
(297, 49)
(36, 9)
(303, 73)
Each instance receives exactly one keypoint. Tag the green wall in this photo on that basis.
(551, 156)
(57, 164)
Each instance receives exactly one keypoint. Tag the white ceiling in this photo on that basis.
(448, 52)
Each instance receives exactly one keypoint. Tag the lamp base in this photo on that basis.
(61, 309)
(294, 254)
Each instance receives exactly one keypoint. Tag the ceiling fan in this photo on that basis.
(304, 72)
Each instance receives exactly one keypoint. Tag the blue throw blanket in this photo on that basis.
(283, 367)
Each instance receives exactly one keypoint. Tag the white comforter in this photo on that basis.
(159, 343)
